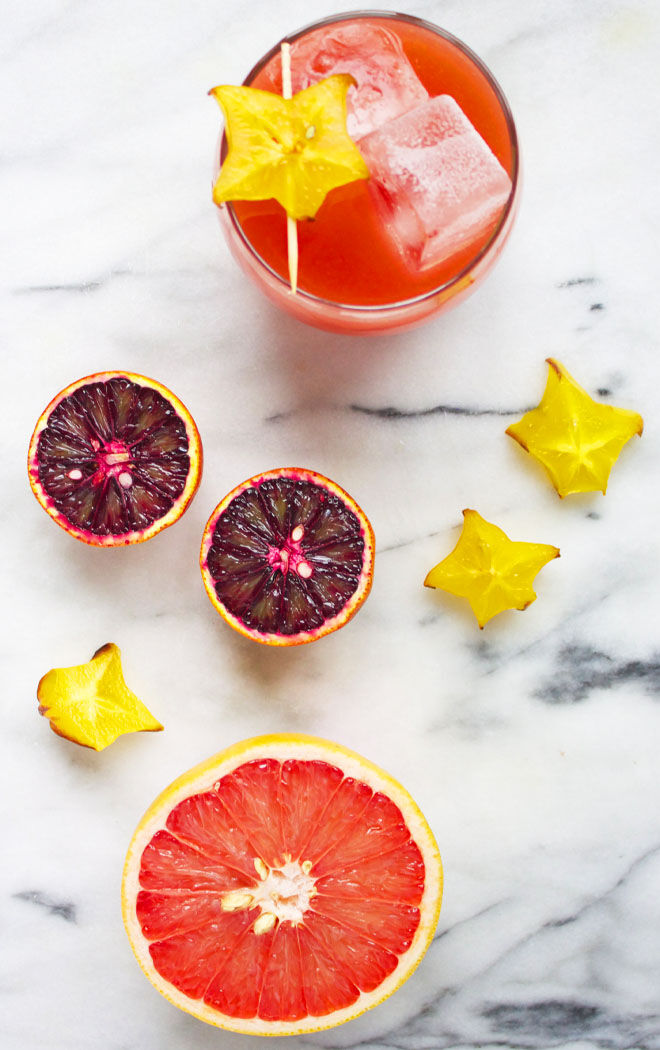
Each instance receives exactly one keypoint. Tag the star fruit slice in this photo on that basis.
(91, 704)
(493, 572)
(293, 150)
(575, 438)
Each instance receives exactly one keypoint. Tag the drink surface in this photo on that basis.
(346, 254)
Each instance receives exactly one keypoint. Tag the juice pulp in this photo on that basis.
(345, 254)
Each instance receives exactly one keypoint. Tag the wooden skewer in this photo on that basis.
(291, 225)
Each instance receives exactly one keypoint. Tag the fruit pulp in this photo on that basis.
(351, 276)
(115, 458)
(332, 875)
(292, 575)
(282, 886)
(287, 557)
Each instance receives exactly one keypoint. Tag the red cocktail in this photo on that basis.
(425, 228)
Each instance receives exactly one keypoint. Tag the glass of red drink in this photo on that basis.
(354, 276)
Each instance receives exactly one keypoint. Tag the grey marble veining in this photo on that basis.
(532, 746)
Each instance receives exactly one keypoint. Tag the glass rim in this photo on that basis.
(459, 277)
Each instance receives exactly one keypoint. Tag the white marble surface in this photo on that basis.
(533, 745)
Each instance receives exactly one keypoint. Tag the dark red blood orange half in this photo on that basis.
(287, 557)
(115, 458)
(283, 886)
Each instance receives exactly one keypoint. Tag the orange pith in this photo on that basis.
(310, 576)
(283, 886)
(112, 459)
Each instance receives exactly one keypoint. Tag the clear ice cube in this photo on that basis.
(435, 181)
(386, 84)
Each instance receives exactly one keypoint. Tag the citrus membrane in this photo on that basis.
(283, 886)
(115, 458)
(90, 704)
(287, 557)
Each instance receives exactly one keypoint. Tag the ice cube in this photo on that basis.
(435, 181)
(386, 83)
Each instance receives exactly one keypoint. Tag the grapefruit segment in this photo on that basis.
(326, 985)
(388, 923)
(287, 557)
(206, 824)
(234, 990)
(282, 991)
(272, 929)
(115, 458)
(305, 790)
(367, 963)
(165, 914)
(394, 876)
(169, 864)
(344, 808)
(379, 828)
(190, 960)
(248, 794)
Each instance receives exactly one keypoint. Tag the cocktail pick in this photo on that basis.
(291, 224)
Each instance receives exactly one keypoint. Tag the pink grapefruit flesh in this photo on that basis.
(290, 892)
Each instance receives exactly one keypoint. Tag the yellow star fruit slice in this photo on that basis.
(91, 704)
(293, 150)
(493, 572)
(577, 439)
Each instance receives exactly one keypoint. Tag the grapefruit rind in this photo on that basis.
(332, 623)
(282, 747)
(178, 507)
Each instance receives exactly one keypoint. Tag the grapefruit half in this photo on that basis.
(114, 458)
(287, 557)
(283, 886)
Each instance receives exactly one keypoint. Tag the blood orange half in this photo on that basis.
(115, 458)
(283, 886)
(287, 557)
